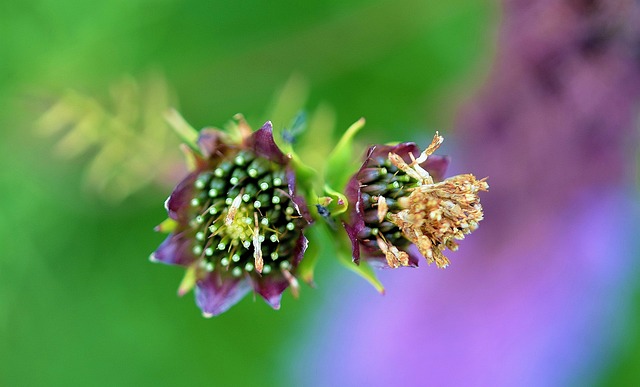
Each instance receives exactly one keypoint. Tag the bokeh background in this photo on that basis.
(540, 96)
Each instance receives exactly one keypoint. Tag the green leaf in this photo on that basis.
(324, 242)
(188, 281)
(190, 157)
(340, 164)
(297, 127)
(364, 270)
(125, 139)
(338, 204)
(288, 103)
(182, 128)
(305, 175)
(167, 226)
(318, 238)
(315, 143)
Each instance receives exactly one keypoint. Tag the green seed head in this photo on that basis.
(383, 179)
(241, 207)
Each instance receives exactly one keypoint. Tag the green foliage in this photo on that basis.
(185, 132)
(364, 270)
(341, 163)
(319, 245)
(129, 143)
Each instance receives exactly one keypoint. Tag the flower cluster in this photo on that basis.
(237, 221)
(399, 200)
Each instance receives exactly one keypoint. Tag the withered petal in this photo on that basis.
(435, 165)
(379, 261)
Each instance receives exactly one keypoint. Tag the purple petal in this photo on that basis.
(298, 252)
(298, 201)
(263, 144)
(402, 150)
(352, 192)
(352, 232)
(414, 255)
(216, 293)
(270, 288)
(178, 203)
(175, 250)
(209, 142)
(356, 217)
(436, 166)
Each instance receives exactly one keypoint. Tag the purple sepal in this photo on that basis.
(178, 203)
(175, 250)
(271, 288)
(215, 293)
(262, 143)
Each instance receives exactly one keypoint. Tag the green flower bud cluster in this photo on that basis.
(382, 179)
(244, 218)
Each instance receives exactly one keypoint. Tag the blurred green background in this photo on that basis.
(79, 302)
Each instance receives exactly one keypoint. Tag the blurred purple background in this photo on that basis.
(539, 295)
(540, 96)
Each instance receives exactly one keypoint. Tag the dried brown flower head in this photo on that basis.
(428, 213)
(436, 214)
